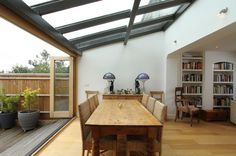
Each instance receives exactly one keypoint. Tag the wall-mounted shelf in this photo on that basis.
(191, 76)
(222, 84)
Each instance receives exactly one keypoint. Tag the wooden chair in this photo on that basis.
(185, 106)
(150, 104)
(93, 103)
(90, 93)
(158, 95)
(105, 143)
(160, 111)
(145, 99)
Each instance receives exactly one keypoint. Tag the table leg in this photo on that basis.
(152, 132)
(95, 141)
(121, 145)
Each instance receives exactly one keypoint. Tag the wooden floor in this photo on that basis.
(179, 139)
(16, 142)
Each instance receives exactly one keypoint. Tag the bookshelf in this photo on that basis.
(222, 84)
(192, 77)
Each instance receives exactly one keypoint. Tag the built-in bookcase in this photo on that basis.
(222, 84)
(192, 77)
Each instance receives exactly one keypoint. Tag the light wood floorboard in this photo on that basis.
(179, 139)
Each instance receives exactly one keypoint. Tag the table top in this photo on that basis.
(122, 113)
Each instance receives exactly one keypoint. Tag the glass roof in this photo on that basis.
(89, 11)
(97, 28)
(73, 19)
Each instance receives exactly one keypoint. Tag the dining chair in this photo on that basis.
(158, 95)
(185, 106)
(145, 99)
(90, 93)
(150, 104)
(93, 103)
(105, 143)
(160, 111)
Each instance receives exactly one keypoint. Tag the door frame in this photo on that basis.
(61, 114)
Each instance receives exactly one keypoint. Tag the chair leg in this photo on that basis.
(176, 115)
(199, 116)
(191, 118)
(83, 152)
(182, 115)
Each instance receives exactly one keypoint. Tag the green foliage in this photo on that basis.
(61, 67)
(8, 103)
(30, 98)
(20, 69)
(41, 63)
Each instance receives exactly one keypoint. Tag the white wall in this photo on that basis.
(200, 20)
(143, 54)
(172, 80)
(212, 57)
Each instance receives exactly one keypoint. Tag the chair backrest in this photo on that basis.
(160, 111)
(150, 104)
(145, 99)
(92, 103)
(84, 114)
(90, 93)
(178, 96)
(158, 95)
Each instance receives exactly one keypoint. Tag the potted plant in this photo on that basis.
(28, 118)
(8, 110)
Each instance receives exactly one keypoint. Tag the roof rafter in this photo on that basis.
(99, 34)
(154, 21)
(54, 6)
(93, 21)
(110, 40)
(117, 37)
(131, 20)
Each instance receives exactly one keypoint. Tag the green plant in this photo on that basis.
(30, 98)
(8, 103)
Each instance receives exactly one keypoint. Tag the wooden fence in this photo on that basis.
(13, 84)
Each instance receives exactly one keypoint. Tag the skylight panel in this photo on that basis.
(98, 28)
(34, 2)
(156, 14)
(87, 11)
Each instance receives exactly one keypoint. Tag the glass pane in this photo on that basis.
(61, 86)
(34, 2)
(97, 28)
(87, 11)
(156, 14)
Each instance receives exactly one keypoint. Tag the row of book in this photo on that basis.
(223, 66)
(223, 89)
(192, 77)
(197, 101)
(222, 101)
(192, 89)
(223, 77)
(192, 65)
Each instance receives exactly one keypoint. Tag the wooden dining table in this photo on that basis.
(122, 118)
